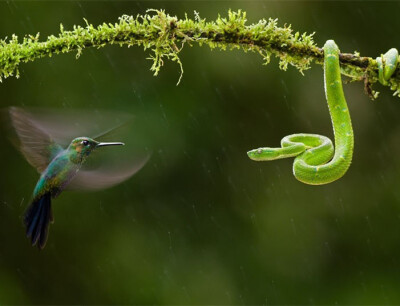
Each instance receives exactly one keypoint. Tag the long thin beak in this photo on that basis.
(104, 144)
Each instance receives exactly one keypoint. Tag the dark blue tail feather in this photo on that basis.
(37, 219)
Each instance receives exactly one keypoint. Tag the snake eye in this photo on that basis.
(85, 142)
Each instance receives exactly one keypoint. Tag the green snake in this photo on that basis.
(317, 162)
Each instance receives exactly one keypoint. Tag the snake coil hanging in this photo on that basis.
(317, 161)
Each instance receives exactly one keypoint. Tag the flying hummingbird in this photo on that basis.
(59, 167)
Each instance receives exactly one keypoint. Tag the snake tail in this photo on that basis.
(387, 64)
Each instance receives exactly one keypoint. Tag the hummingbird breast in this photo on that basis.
(56, 177)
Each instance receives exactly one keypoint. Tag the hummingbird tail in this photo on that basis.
(37, 219)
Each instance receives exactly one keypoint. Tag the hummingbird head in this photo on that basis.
(81, 147)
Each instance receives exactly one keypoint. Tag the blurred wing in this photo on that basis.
(34, 143)
(42, 132)
(105, 177)
(66, 124)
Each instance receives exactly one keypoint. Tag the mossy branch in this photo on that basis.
(166, 35)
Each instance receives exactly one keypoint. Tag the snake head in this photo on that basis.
(263, 154)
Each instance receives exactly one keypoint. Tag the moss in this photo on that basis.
(166, 35)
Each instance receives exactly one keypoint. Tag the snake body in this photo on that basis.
(317, 162)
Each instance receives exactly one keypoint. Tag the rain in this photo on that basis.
(201, 223)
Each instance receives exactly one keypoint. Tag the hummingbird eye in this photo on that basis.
(85, 142)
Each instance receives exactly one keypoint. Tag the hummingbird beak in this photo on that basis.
(104, 144)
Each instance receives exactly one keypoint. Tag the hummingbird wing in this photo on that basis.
(35, 144)
(43, 133)
(63, 125)
(106, 176)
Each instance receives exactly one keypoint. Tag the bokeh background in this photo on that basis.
(201, 223)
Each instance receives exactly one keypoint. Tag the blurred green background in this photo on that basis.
(201, 223)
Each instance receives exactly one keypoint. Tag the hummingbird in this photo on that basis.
(59, 168)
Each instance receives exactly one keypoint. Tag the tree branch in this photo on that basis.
(166, 35)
